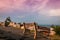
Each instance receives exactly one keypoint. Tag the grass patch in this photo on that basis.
(55, 37)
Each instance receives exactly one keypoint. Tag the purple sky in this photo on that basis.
(40, 11)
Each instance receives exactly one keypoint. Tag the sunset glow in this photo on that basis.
(30, 10)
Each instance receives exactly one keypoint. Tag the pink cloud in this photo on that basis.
(35, 5)
(28, 5)
(6, 4)
(54, 4)
(11, 4)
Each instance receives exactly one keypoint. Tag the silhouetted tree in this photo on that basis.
(52, 26)
(7, 21)
(56, 29)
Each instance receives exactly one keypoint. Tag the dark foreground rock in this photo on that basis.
(9, 35)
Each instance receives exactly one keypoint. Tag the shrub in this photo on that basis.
(56, 29)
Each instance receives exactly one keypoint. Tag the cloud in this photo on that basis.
(54, 12)
(36, 5)
(53, 4)
(50, 12)
(30, 6)
(6, 5)
(20, 16)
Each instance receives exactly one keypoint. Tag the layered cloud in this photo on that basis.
(26, 10)
(50, 12)
(36, 4)
(22, 4)
(54, 12)
(44, 7)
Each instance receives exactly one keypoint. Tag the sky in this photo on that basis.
(40, 11)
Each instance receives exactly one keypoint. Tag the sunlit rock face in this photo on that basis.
(52, 32)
